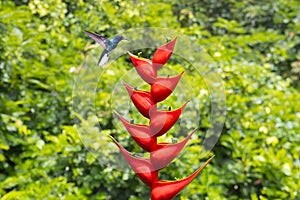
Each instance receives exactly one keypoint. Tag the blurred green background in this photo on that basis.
(254, 43)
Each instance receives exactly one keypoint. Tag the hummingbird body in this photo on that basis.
(109, 45)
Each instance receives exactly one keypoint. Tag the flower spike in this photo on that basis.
(162, 87)
(162, 54)
(164, 153)
(144, 68)
(142, 100)
(141, 166)
(166, 190)
(140, 133)
(161, 121)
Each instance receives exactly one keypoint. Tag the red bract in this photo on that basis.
(144, 68)
(162, 54)
(140, 133)
(161, 88)
(164, 153)
(142, 100)
(166, 190)
(141, 166)
(161, 121)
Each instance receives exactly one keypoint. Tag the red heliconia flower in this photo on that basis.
(162, 87)
(161, 121)
(142, 100)
(167, 190)
(162, 54)
(140, 133)
(144, 68)
(164, 153)
(141, 166)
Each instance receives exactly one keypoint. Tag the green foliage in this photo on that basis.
(42, 46)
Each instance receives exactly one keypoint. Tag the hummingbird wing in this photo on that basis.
(99, 39)
(103, 58)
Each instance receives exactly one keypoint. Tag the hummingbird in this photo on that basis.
(109, 45)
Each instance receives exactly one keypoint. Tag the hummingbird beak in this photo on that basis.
(127, 39)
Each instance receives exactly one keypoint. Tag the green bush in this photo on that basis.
(254, 43)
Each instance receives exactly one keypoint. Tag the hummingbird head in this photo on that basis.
(118, 38)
